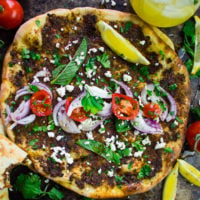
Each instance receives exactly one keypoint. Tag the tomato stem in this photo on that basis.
(197, 140)
(1, 8)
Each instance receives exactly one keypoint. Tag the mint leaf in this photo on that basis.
(92, 104)
(29, 186)
(104, 60)
(100, 149)
(55, 194)
(64, 74)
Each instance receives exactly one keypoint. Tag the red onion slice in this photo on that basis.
(98, 92)
(173, 108)
(22, 111)
(126, 89)
(107, 110)
(22, 93)
(8, 112)
(89, 124)
(42, 86)
(67, 124)
(27, 120)
(141, 125)
(76, 103)
(55, 111)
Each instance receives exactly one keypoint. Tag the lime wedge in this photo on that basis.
(196, 65)
(189, 172)
(169, 191)
(120, 45)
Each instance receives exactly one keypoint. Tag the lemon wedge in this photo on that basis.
(120, 45)
(169, 191)
(196, 65)
(189, 172)
(165, 13)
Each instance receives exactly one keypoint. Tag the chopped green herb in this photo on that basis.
(64, 75)
(33, 88)
(138, 146)
(104, 60)
(172, 87)
(28, 69)
(162, 54)
(90, 64)
(125, 152)
(37, 22)
(27, 97)
(146, 169)
(78, 80)
(168, 150)
(100, 149)
(55, 194)
(128, 26)
(57, 36)
(1, 43)
(37, 128)
(119, 179)
(149, 93)
(92, 104)
(196, 112)
(144, 71)
(130, 165)
(179, 120)
(10, 64)
(122, 125)
(173, 125)
(35, 56)
(33, 143)
(121, 29)
(25, 53)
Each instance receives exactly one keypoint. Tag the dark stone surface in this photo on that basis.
(35, 7)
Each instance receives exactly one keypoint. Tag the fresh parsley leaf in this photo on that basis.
(119, 179)
(35, 56)
(179, 120)
(29, 186)
(196, 112)
(64, 75)
(146, 169)
(25, 53)
(130, 165)
(122, 125)
(55, 194)
(33, 88)
(172, 87)
(1, 43)
(92, 104)
(37, 22)
(33, 143)
(90, 64)
(104, 60)
(37, 128)
(168, 150)
(138, 146)
(125, 152)
(128, 25)
(27, 97)
(162, 54)
(100, 149)
(57, 36)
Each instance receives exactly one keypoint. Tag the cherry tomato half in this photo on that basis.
(78, 114)
(124, 107)
(11, 14)
(151, 110)
(41, 103)
(193, 136)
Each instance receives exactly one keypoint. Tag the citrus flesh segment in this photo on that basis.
(120, 45)
(196, 65)
(170, 186)
(189, 172)
(165, 13)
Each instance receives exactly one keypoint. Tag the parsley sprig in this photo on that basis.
(30, 187)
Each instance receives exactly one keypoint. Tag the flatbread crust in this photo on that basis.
(30, 32)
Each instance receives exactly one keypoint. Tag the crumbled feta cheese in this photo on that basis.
(110, 173)
(101, 49)
(62, 29)
(68, 46)
(175, 123)
(59, 137)
(127, 78)
(161, 144)
(125, 4)
(156, 64)
(43, 73)
(57, 45)
(136, 133)
(59, 99)
(115, 26)
(69, 159)
(51, 134)
(142, 42)
(75, 28)
(61, 91)
(146, 141)
(46, 181)
(46, 79)
(120, 145)
(113, 3)
(90, 135)
(94, 50)
(78, 19)
(89, 73)
(108, 74)
(138, 154)
(75, 42)
(69, 88)
(99, 171)
(52, 61)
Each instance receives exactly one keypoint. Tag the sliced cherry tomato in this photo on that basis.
(78, 114)
(11, 14)
(41, 103)
(151, 110)
(193, 136)
(124, 107)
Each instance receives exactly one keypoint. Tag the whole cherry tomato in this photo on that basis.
(11, 14)
(193, 136)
